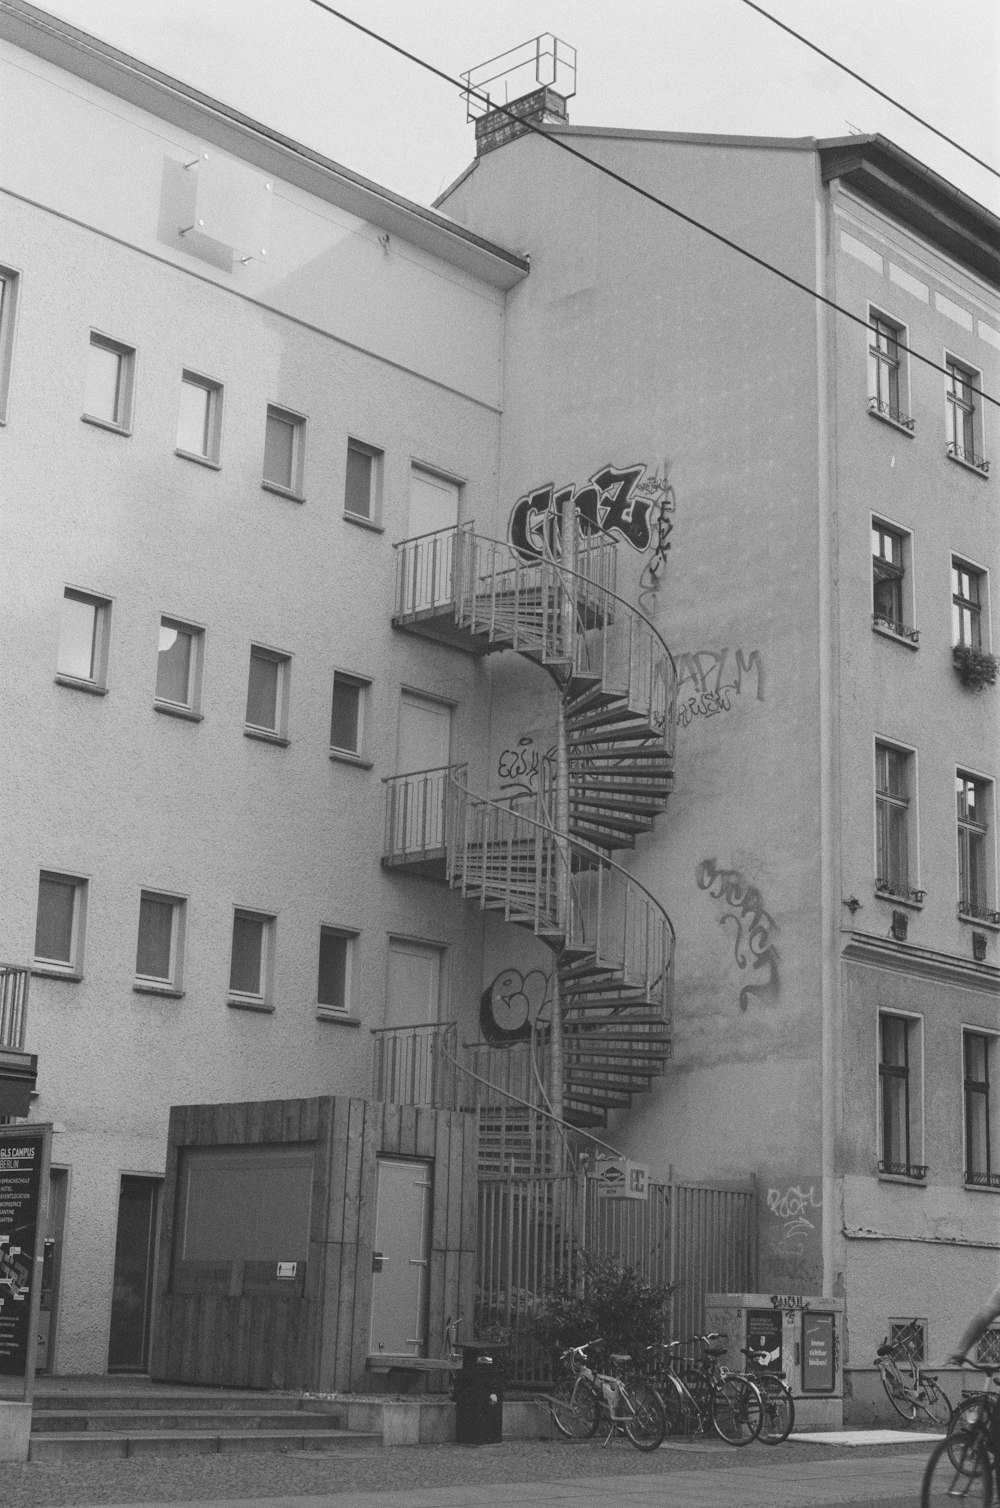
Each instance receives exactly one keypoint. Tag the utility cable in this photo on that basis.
(635, 188)
(874, 88)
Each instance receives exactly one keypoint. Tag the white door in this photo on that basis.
(413, 992)
(424, 746)
(401, 1258)
(433, 507)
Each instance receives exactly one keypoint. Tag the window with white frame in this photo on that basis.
(179, 667)
(982, 1163)
(892, 598)
(963, 389)
(267, 693)
(893, 816)
(347, 714)
(84, 635)
(251, 960)
(974, 799)
(887, 370)
(336, 956)
(968, 594)
(60, 922)
(199, 418)
(284, 451)
(900, 1096)
(9, 283)
(361, 484)
(107, 396)
(160, 943)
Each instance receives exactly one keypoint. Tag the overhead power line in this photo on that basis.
(636, 188)
(873, 87)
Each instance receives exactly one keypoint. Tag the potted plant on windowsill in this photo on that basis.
(975, 667)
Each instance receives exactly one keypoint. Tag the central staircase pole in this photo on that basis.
(561, 825)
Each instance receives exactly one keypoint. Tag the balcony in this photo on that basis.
(18, 1069)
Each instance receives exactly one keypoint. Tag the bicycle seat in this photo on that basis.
(884, 1350)
(620, 1358)
(715, 1350)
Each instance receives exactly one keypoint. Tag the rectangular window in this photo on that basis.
(347, 718)
(988, 1347)
(973, 799)
(84, 631)
(361, 484)
(284, 445)
(336, 949)
(108, 395)
(251, 959)
(893, 775)
(982, 1165)
(886, 372)
(967, 593)
(178, 666)
(899, 1082)
(963, 386)
(8, 312)
(892, 604)
(59, 924)
(159, 947)
(199, 420)
(267, 692)
(908, 1338)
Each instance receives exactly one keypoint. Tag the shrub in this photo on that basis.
(976, 668)
(603, 1300)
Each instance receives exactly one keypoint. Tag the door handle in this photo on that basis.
(378, 1261)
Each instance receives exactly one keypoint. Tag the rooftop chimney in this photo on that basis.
(553, 64)
(544, 107)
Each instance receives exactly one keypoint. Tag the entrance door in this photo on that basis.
(433, 508)
(401, 1257)
(424, 745)
(131, 1302)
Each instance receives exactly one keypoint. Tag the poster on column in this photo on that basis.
(21, 1155)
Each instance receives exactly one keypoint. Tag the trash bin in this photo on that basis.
(478, 1391)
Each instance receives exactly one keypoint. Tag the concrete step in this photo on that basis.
(117, 1445)
(125, 1419)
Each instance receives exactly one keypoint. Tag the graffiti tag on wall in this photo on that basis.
(752, 946)
(708, 680)
(791, 1207)
(621, 501)
(518, 769)
(791, 1249)
(511, 1005)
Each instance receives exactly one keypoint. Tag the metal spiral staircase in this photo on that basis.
(544, 861)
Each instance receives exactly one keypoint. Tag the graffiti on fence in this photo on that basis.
(511, 1005)
(752, 946)
(708, 681)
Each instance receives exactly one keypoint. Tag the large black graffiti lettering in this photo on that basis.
(511, 1005)
(617, 500)
(708, 680)
(752, 946)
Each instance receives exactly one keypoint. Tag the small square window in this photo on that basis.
(178, 667)
(159, 949)
(900, 1086)
(347, 716)
(199, 420)
(964, 414)
(892, 595)
(361, 487)
(267, 693)
(887, 370)
(84, 632)
(284, 446)
(8, 312)
(108, 395)
(908, 1337)
(988, 1348)
(251, 960)
(59, 925)
(336, 953)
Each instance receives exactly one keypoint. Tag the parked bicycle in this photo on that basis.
(965, 1465)
(908, 1387)
(581, 1400)
(779, 1406)
(703, 1395)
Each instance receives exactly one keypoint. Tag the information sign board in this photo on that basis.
(818, 1364)
(617, 1178)
(22, 1154)
(764, 1328)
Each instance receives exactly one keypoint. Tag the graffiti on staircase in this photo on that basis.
(511, 1005)
(622, 501)
(752, 946)
(709, 680)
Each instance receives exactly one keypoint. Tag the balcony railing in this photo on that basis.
(898, 890)
(968, 457)
(901, 630)
(917, 1171)
(14, 980)
(426, 1065)
(886, 411)
(977, 912)
(982, 1180)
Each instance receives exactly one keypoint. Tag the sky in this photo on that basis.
(662, 65)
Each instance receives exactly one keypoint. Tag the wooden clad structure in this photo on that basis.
(243, 1317)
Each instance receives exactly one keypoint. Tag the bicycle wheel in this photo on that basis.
(895, 1389)
(934, 1402)
(779, 1410)
(675, 1411)
(573, 1408)
(646, 1423)
(965, 1417)
(969, 1481)
(737, 1410)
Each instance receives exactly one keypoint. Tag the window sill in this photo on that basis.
(906, 640)
(979, 921)
(166, 991)
(982, 1188)
(982, 471)
(279, 491)
(264, 737)
(189, 455)
(363, 523)
(344, 756)
(337, 1018)
(74, 684)
(47, 971)
(169, 709)
(913, 1182)
(886, 418)
(895, 899)
(244, 1003)
(116, 429)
